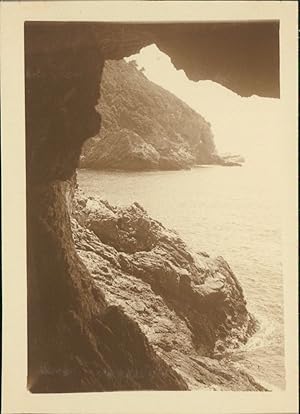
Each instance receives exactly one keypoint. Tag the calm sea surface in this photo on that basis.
(228, 211)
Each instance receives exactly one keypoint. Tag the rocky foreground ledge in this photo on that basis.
(189, 308)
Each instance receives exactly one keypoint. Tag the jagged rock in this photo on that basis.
(231, 160)
(190, 307)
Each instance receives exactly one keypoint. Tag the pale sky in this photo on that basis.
(248, 126)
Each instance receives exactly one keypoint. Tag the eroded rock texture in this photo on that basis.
(190, 307)
(76, 341)
(79, 339)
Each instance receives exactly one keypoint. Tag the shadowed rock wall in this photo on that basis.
(77, 342)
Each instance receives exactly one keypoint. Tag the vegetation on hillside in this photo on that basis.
(144, 126)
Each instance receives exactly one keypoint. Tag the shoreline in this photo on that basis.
(146, 174)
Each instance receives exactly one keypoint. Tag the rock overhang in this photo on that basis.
(242, 56)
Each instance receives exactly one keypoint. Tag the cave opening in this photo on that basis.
(74, 333)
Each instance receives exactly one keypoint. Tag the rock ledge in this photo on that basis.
(190, 307)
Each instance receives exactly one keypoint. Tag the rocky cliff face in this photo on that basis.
(188, 308)
(145, 127)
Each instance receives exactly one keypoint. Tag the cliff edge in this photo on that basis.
(145, 127)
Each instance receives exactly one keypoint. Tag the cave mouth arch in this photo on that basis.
(242, 56)
(70, 328)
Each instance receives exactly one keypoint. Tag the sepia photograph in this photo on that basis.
(155, 206)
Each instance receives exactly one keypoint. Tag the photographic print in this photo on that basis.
(154, 253)
(154, 157)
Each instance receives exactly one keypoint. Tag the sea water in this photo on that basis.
(234, 212)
